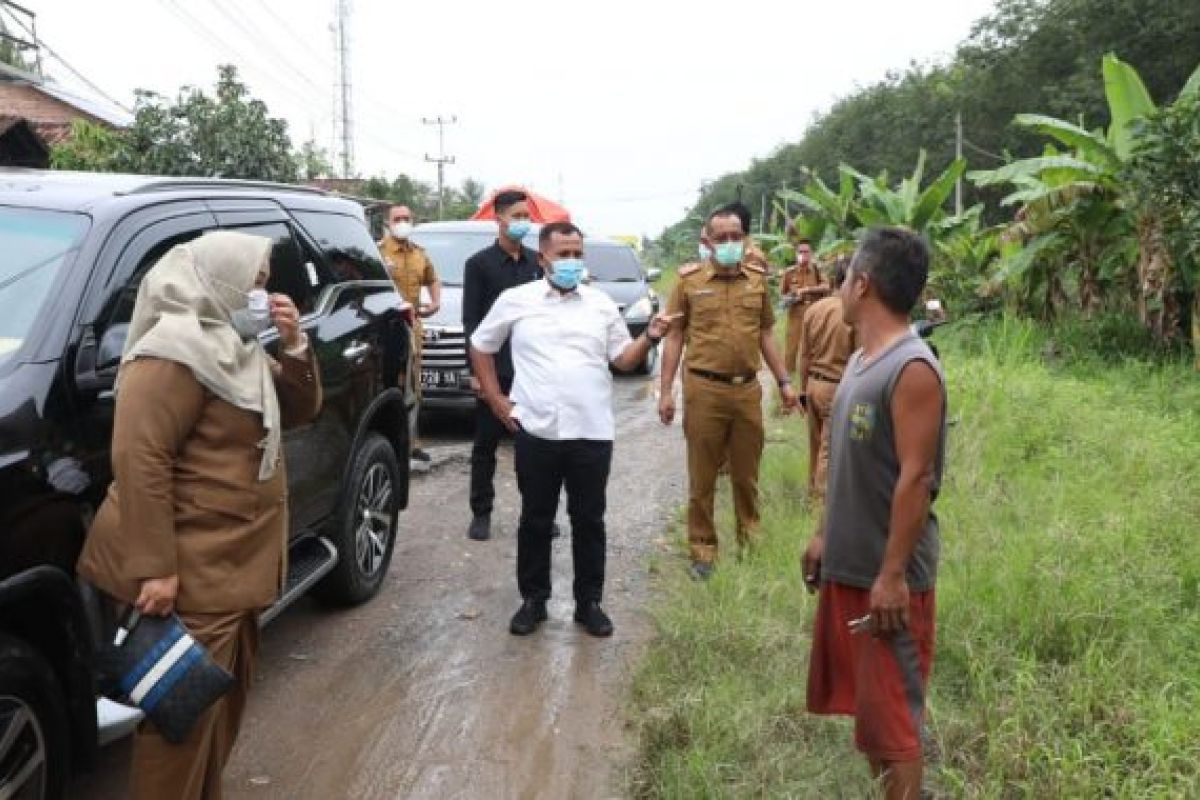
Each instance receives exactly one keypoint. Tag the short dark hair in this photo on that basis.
(736, 209)
(802, 240)
(897, 261)
(561, 228)
(507, 199)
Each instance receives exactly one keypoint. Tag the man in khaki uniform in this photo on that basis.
(725, 320)
(826, 343)
(411, 270)
(800, 288)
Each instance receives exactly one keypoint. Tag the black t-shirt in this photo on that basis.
(486, 274)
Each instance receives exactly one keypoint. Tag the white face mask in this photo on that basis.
(402, 230)
(255, 318)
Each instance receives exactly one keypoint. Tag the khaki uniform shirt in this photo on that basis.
(409, 267)
(795, 278)
(825, 338)
(723, 318)
(186, 499)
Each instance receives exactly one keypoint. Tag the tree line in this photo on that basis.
(1079, 190)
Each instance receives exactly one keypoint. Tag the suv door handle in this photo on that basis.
(356, 351)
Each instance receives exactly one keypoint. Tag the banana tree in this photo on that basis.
(1081, 198)
(909, 205)
(827, 217)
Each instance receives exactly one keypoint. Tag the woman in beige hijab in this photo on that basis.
(196, 518)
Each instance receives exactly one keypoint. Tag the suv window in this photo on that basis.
(609, 263)
(123, 304)
(293, 270)
(35, 244)
(352, 253)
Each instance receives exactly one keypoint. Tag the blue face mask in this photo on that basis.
(517, 229)
(566, 273)
(729, 254)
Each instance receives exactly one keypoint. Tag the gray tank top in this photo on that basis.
(863, 469)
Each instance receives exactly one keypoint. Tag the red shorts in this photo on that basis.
(878, 681)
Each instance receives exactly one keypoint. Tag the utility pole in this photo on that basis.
(958, 153)
(344, 123)
(442, 159)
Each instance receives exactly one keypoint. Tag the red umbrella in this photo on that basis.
(541, 209)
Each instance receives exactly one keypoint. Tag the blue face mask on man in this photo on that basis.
(518, 228)
(566, 273)
(729, 254)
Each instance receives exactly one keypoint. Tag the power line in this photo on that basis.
(971, 145)
(41, 44)
(199, 28)
(256, 37)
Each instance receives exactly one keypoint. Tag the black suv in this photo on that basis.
(613, 267)
(73, 249)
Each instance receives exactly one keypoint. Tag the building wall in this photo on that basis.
(50, 117)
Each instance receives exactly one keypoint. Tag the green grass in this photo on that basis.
(1068, 661)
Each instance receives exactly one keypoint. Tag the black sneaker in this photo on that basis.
(481, 528)
(592, 617)
(526, 620)
(700, 570)
(420, 455)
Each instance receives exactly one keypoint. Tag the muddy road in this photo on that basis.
(423, 693)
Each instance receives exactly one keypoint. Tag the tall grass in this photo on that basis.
(1068, 661)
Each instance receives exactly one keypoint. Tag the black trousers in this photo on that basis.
(488, 433)
(544, 467)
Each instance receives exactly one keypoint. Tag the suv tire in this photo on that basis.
(34, 743)
(364, 527)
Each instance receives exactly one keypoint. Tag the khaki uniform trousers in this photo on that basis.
(795, 324)
(721, 420)
(820, 408)
(192, 769)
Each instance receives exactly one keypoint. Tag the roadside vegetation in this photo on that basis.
(1067, 601)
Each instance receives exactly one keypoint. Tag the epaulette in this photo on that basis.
(754, 266)
(689, 269)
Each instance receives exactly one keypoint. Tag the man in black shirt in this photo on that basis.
(503, 265)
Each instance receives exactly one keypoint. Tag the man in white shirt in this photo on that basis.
(564, 337)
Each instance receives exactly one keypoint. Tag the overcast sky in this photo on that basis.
(620, 107)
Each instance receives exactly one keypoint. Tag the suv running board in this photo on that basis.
(309, 560)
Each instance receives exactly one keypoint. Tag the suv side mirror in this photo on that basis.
(653, 274)
(96, 364)
(112, 345)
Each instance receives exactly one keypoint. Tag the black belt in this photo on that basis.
(814, 374)
(736, 380)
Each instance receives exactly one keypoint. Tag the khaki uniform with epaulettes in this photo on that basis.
(723, 319)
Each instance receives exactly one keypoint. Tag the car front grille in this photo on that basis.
(444, 348)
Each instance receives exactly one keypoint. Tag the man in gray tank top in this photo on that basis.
(874, 556)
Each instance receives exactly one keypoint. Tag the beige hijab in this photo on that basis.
(183, 313)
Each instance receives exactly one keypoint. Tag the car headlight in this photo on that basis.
(641, 311)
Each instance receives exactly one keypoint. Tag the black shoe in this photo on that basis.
(481, 528)
(526, 620)
(700, 570)
(592, 617)
(420, 455)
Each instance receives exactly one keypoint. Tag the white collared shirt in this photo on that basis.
(562, 345)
